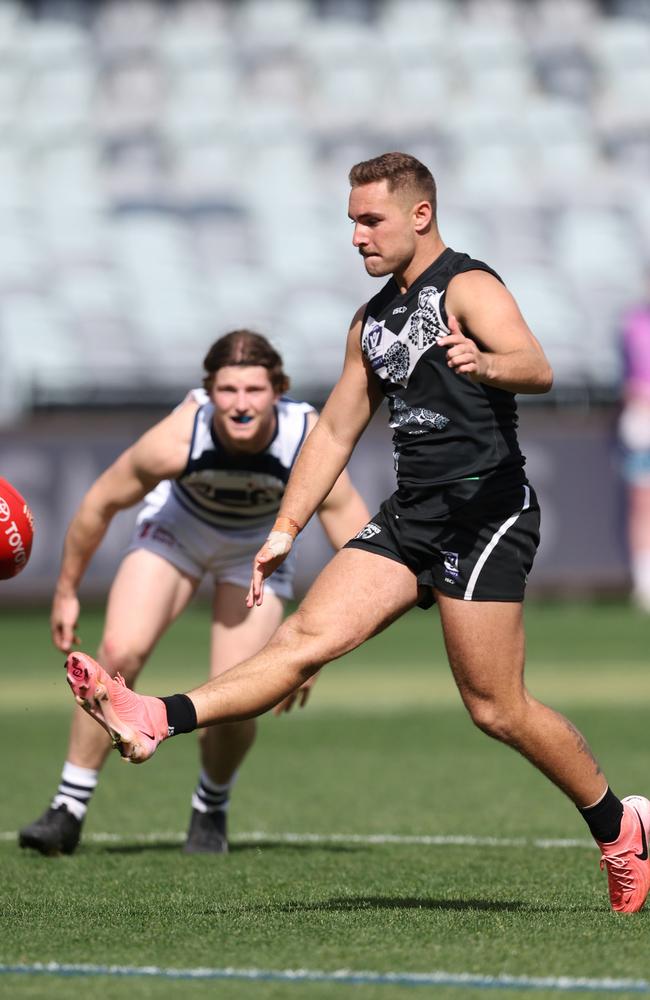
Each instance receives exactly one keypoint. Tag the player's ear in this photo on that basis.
(422, 215)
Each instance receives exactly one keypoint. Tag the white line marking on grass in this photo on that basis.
(262, 837)
(566, 984)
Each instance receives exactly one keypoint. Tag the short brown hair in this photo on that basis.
(401, 171)
(245, 348)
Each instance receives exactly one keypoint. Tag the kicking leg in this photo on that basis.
(357, 595)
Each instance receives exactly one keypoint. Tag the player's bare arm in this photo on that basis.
(326, 452)
(342, 513)
(159, 454)
(490, 341)
(324, 455)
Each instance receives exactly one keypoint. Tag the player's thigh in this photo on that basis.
(357, 595)
(485, 644)
(147, 594)
(239, 632)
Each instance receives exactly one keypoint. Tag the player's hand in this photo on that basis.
(463, 355)
(275, 550)
(63, 621)
(299, 696)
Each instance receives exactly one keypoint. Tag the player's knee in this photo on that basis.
(119, 657)
(309, 641)
(501, 722)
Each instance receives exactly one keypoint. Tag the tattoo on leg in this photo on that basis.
(581, 743)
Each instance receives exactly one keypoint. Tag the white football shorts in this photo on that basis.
(197, 548)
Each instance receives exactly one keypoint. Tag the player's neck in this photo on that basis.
(426, 253)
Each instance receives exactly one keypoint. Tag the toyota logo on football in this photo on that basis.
(5, 513)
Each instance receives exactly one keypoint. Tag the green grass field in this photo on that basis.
(383, 750)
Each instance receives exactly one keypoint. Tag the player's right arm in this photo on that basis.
(324, 455)
(161, 453)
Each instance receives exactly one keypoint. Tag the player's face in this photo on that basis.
(384, 233)
(243, 398)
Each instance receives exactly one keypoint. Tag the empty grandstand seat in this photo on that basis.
(182, 168)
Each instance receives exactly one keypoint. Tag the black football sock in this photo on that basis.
(181, 714)
(604, 819)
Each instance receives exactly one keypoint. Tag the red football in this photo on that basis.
(16, 531)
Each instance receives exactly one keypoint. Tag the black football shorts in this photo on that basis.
(479, 548)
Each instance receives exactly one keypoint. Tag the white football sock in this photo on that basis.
(75, 789)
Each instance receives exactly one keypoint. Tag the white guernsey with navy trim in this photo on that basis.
(237, 490)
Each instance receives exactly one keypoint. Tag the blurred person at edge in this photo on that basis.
(212, 475)
(634, 430)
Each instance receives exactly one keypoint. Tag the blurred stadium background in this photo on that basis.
(170, 171)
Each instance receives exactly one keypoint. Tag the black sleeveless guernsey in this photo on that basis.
(446, 428)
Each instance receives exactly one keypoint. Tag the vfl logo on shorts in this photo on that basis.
(452, 572)
(370, 530)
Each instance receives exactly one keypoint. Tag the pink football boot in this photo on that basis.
(135, 723)
(626, 859)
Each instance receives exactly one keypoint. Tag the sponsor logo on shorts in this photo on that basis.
(450, 563)
(162, 535)
(370, 530)
(157, 533)
(400, 309)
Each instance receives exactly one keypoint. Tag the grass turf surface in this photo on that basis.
(383, 748)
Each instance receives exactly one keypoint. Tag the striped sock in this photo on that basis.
(75, 789)
(209, 797)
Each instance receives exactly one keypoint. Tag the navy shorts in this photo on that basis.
(474, 542)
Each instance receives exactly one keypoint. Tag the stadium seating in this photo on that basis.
(169, 171)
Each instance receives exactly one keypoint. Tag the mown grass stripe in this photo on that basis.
(259, 836)
(566, 984)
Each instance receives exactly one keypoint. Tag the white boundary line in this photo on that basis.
(565, 984)
(367, 839)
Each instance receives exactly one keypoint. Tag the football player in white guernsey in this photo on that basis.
(212, 475)
(463, 524)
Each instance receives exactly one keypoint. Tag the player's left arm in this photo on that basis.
(490, 341)
(342, 513)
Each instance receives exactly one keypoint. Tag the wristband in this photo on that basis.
(288, 525)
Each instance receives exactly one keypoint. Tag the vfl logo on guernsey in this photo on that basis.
(393, 356)
(371, 345)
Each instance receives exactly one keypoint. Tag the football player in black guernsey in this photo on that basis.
(446, 343)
